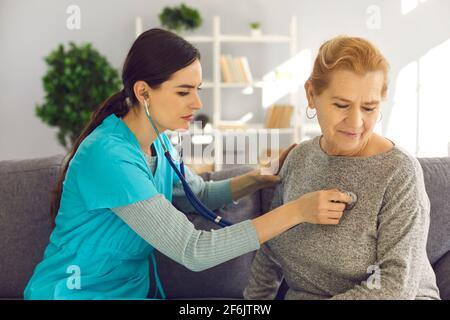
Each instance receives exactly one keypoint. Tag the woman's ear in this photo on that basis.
(309, 90)
(141, 91)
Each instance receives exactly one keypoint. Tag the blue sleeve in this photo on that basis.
(113, 174)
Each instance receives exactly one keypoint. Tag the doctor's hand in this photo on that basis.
(320, 207)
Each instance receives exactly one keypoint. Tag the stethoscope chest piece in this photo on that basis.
(351, 205)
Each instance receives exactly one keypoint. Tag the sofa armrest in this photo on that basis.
(25, 225)
(442, 270)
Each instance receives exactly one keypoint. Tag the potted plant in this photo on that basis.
(255, 28)
(180, 18)
(78, 80)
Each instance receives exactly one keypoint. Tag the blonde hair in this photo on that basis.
(347, 53)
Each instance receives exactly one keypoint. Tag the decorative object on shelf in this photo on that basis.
(235, 69)
(279, 116)
(255, 28)
(181, 18)
(78, 80)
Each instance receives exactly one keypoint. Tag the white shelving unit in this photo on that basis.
(216, 40)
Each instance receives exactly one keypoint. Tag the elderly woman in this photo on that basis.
(378, 249)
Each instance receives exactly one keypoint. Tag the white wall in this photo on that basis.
(30, 29)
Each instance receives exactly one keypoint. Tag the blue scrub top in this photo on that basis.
(92, 253)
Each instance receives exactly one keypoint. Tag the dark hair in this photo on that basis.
(154, 56)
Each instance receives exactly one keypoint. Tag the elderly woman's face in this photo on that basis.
(348, 111)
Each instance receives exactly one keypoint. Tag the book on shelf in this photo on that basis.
(239, 70)
(235, 69)
(235, 72)
(279, 116)
(246, 69)
(226, 71)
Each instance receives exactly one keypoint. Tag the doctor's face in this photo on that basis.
(176, 101)
(347, 111)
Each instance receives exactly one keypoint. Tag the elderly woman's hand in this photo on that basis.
(267, 175)
(264, 177)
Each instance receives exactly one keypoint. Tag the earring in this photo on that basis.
(308, 116)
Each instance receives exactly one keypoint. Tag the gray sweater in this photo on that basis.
(378, 251)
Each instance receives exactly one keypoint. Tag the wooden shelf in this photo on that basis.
(200, 39)
(217, 40)
(260, 84)
(240, 129)
(255, 39)
(241, 39)
(251, 128)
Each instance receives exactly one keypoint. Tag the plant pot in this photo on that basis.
(184, 33)
(256, 32)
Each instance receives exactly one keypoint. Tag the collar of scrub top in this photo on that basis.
(198, 206)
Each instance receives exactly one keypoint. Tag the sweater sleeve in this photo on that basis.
(265, 277)
(214, 194)
(402, 231)
(168, 230)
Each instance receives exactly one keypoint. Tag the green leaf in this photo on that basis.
(180, 18)
(77, 81)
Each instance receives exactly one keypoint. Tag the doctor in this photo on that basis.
(118, 199)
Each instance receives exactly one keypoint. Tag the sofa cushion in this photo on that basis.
(25, 225)
(227, 280)
(437, 183)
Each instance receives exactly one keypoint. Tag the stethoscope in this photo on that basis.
(199, 207)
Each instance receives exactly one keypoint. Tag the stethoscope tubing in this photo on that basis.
(198, 206)
(192, 198)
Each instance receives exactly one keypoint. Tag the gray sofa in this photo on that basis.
(25, 188)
